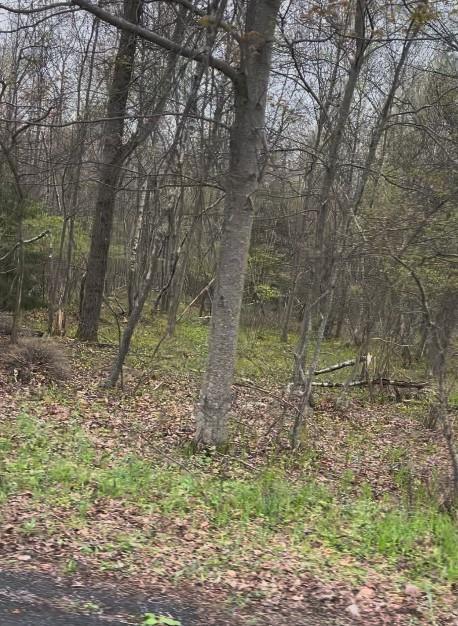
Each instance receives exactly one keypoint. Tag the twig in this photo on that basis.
(234, 458)
(250, 385)
(202, 291)
(25, 242)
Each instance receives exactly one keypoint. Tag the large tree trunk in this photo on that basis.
(109, 174)
(242, 182)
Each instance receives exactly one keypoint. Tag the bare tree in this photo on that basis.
(247, 146)
(113, 154)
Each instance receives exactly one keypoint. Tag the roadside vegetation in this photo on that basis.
(107, 481)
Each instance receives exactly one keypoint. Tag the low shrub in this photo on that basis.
(32, 357)
(6, 324)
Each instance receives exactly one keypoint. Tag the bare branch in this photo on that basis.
(50, 7)
(163, 42)
(25, 242)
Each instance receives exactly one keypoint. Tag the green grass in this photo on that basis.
(261, 355)
(60, 467)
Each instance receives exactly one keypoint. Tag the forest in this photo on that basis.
(228, 311)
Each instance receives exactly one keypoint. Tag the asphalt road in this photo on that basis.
(29, 599)
(34, 599)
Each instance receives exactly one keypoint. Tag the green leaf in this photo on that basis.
(150, 619)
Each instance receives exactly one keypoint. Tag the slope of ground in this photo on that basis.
(104, 484)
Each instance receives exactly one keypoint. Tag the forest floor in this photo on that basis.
(100, 491)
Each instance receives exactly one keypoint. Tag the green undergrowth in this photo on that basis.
(261, 354)
(62, 468)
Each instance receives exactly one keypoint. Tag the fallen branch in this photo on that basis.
(381, 382)
(206, 288)
(338, 366)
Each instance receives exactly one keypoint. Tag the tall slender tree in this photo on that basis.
(113, 155)
(247, 155)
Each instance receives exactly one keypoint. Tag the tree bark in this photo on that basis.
(134, 318)
(242, 181)
(306, 408)
(112, 157)
(132, 286)
(19, 283)
(332, 168)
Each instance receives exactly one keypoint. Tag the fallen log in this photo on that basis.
(381, 382)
